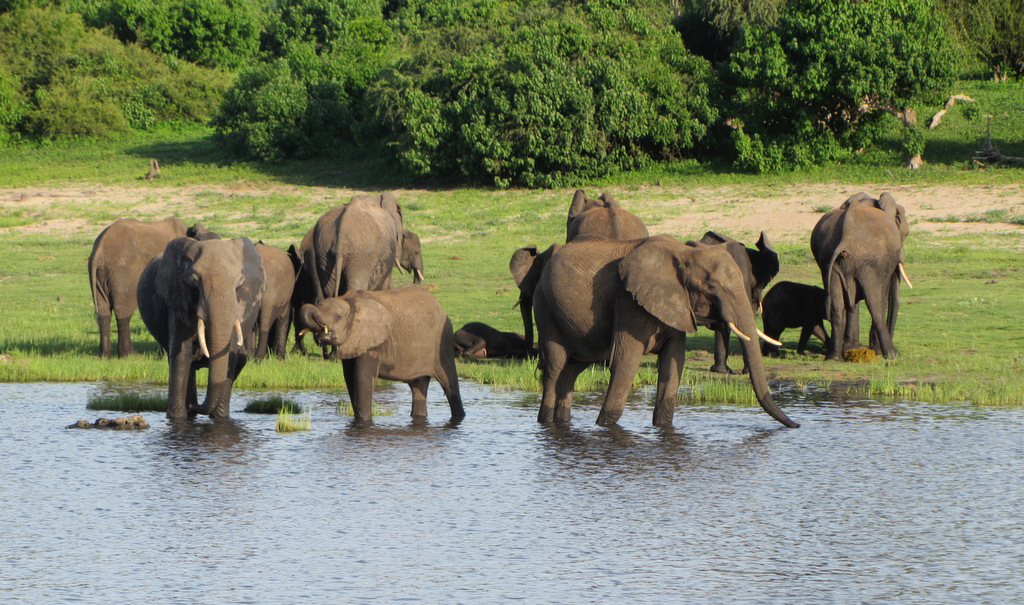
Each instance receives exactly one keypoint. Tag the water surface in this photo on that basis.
(866, 502)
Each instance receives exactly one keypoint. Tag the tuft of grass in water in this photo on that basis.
(128, 402)
(288, 422)
(376, 409)
(274, 404)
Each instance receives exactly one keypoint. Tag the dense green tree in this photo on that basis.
(813, 88)
(992, 30)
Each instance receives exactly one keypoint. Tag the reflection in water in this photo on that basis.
(889, 502)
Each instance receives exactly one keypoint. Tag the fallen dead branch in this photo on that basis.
(990, 153)
(949, 104)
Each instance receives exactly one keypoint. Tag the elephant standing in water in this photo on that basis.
(601, 217)
(859, 249)
(200, 301)
(401, 334)
(602, 300)
(119, 254)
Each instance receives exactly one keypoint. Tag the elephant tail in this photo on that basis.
(100, 296)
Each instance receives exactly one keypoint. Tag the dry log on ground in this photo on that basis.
(949, 104)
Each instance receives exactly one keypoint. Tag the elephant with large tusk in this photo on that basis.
(200, 301)
(603, 300)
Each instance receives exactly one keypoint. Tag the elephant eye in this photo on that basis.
(192, 279)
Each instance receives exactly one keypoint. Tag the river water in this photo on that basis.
(867, 502)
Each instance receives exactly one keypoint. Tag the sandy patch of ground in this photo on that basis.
(787, 213)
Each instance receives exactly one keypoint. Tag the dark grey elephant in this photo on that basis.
(401, 334)
(477, 339)
(602, 300)
(601, 217)
(792, 305)
(758, 266)
(200, 301)
(275, 315)
(119, 254)
(859, 250)
(355, 246)
(526, 266)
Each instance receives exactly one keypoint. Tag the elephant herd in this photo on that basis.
(610, 294)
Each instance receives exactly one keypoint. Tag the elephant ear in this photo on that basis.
(176, 264)
(765, 261)
(652, 273)
(369, 325)
(713, 237)
(521, 263)
(578, 205)
(250, 292)
(295, 257)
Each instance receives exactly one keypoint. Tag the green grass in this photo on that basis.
(957, 329)
(288, 422)
(274, 404)
(128, 402)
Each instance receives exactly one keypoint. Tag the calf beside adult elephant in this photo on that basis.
(119, 254)
(859, 250)
(401, 334)
(602, 300)
(200, 301)
(792, 305)
(275, 314)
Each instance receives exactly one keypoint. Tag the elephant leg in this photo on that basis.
(105, 347)
(419, 396)
(180, 380)
(279, 336)
(670, 369)
(837, 315)
(805, 335)
(894, 304)
(626, 354)
(721, 349)
(851, 337)
(565, 388)
(876, 307)
(192, 396)
(552, 361)
(263, 341)
(360, 378)
(448, 378)
(124, 336)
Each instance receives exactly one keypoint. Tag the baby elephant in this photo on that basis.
(477, 339)
(792, 305)
(401, 334)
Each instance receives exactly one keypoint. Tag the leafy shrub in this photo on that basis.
(814, 87)
(992, 31)
(73, 80)
(12, 107)
(543, 98)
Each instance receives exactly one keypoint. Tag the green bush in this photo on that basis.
(544, 97)
(813, 88)
(992, 32)
(68, 79)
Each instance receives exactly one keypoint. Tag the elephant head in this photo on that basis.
(353, 324)
(411, 258)
(210, 293)
(601, 217)
(694, 284)
(200, 232)
(758, 266)
(526, 266)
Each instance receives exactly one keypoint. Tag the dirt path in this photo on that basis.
(787, 213)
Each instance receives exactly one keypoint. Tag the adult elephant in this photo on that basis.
(601, 217)
(602, 300)
(758, 266)
(119, 254)
(527, 265)
(411, 258)
(200, 301)
(355, 246)
(275, 314)
(401, 334)
(859, 250)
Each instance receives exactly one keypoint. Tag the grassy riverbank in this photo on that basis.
(957, 331)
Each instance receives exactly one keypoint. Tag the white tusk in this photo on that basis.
(736, 330)
(399, 265)
(760, 308)
(903, 274)
(419, 274)
(238, 328)
(768, 339)
(202, 338)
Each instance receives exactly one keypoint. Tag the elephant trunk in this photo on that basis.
(758, 376)
(223, 335)
(526, 308)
